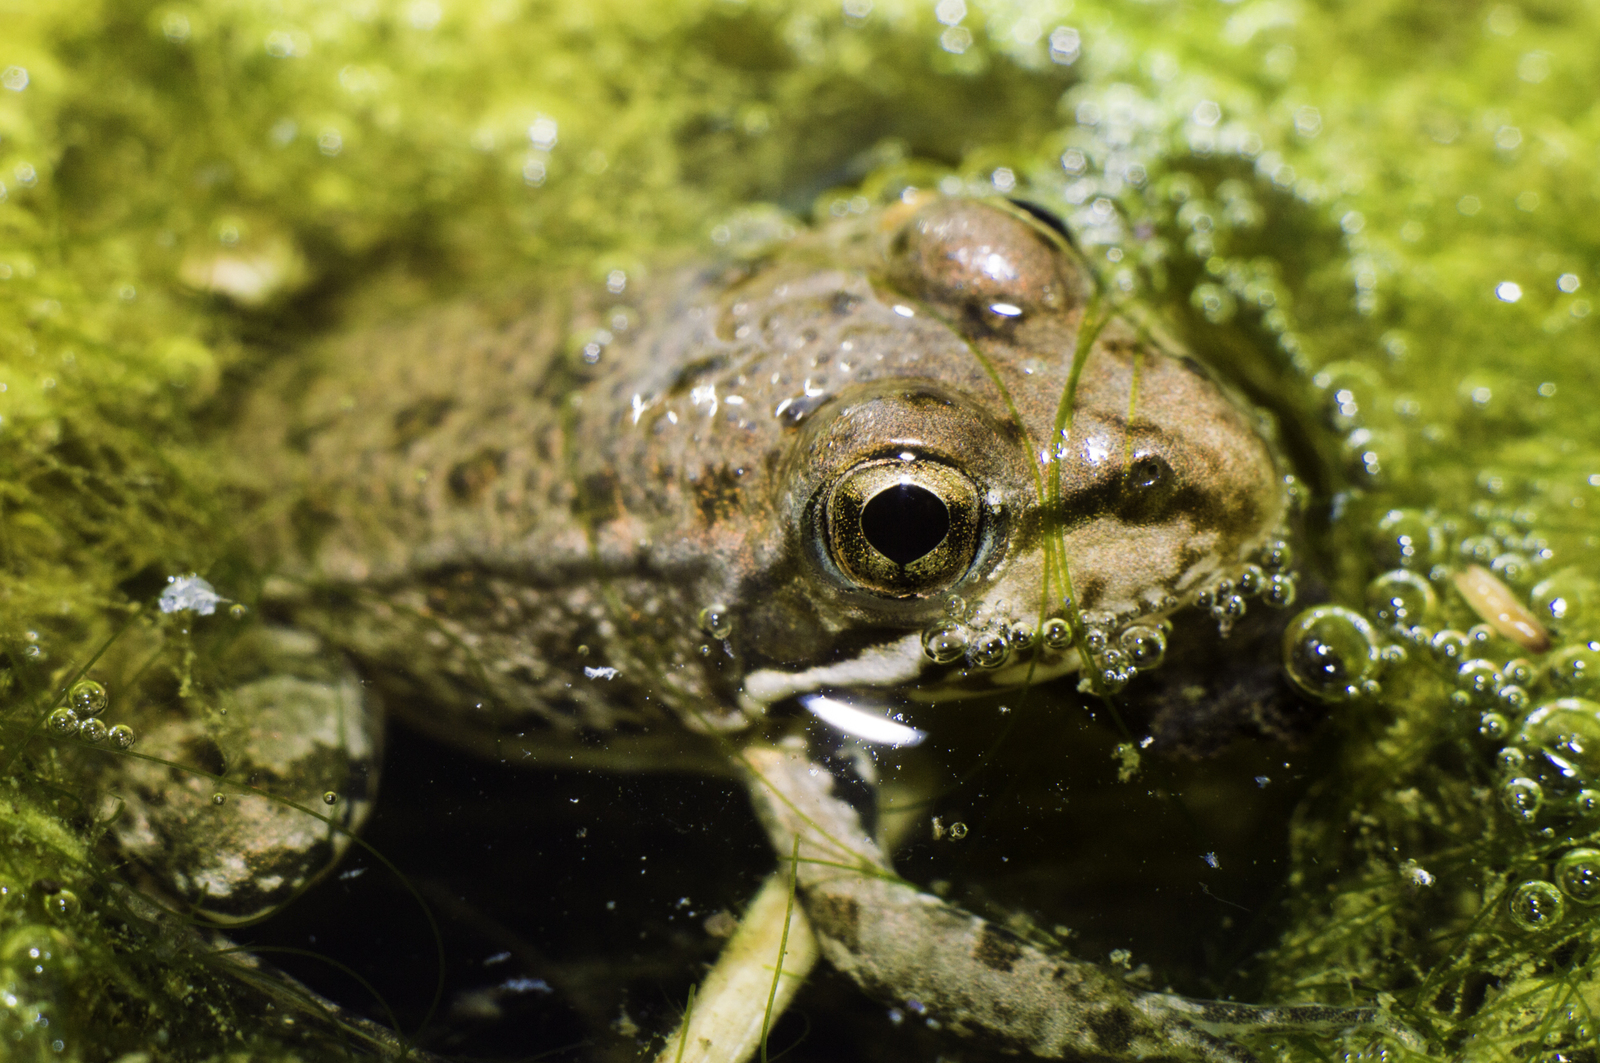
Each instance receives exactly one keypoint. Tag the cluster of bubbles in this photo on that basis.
(1267, 577)
(1119, 647)
(80, 717)
(1538, 904)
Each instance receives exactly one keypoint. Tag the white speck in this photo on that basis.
(1416, 874)
(1006, 309)
(499, 957)
(904, 311)
(1147, 741)
(705, 395)
(189, 593)
(354, 872)
(526, 985)
(811, 390)
(734, 400)
(672, 416)
(639, 406)
(542, 133)
(1210, 859)
(14, 78)
(1508, 291)
(1262, 780)
(600, 673)
(908, 455)
(616, 282)
(1567, 282)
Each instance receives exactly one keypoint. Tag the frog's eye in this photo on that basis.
(903, 528)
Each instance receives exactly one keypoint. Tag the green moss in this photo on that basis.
(1327, 198)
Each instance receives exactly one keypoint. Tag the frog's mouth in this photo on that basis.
(901, 665)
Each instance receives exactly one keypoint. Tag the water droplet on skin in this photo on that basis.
(1535, 905)
(1578, 875)
(329, 797)
(87, 697)
(1522, 797)
(122, 736)
(990, 650)
(1329, 651)
(1401, 598)
(92, 730)
(63, 721)
(1146, 647)
(944, 644)
(716, 621)
(1057, 634)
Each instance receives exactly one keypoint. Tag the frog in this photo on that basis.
(746, 516)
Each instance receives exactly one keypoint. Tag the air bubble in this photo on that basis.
(1020, 636)
(945, 644)
(92, 730)
(1113, 680)
(1519, 671)
(1522, 797)
(1146, 647)
(1567, 600)
(1479, 676)
(1511, 760)
(1329, 652)
(1251, 580)
(1535, 905)
(990, 650)
(1566, 732)
(62, 905)
(716, 621)
(237, 611)
(1450, 644)
(1409, 538)
(63, 721)
(1493, 726)
(1057, 633)
(122, 736)
(87, 697)
(1479, 637)
(1513, 698)
(1586, 802)
(1578, 875)
(1280, 592)
(219, 799)
(1575, 670)
(1275, 555)
(329, 797)
(1401, 598)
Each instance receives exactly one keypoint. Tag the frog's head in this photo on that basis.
(968, 515)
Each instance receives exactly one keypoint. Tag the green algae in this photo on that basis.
(1378, 216)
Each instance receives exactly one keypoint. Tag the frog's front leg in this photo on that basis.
(974, 977)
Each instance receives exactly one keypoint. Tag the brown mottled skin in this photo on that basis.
(483, 505)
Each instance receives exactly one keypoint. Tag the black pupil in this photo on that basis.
(905, 522)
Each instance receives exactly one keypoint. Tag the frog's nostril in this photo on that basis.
(905, 522)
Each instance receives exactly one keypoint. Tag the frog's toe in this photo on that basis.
(236, 808)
